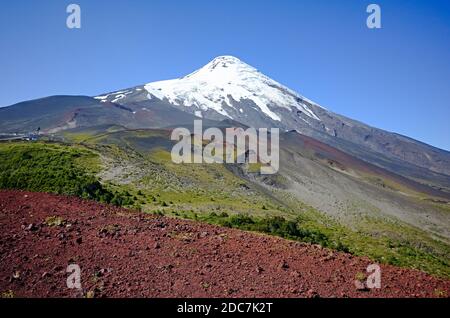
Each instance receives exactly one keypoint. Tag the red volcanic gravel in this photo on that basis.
(128, 254)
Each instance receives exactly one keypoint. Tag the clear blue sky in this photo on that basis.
(396, 78)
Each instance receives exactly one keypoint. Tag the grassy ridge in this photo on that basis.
(55, 169)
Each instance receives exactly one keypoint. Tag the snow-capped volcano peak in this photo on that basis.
(224, 62)
(224, 83)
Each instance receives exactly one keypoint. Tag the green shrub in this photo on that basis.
(277, 226)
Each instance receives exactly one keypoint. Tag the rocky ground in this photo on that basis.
(127, 254)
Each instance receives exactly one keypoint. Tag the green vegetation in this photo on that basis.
(276, 225)
(56, 169)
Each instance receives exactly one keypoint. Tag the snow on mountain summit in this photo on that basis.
(223, 83)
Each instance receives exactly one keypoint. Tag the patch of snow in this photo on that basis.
(105, 97)
(122, 96)
(116, 95)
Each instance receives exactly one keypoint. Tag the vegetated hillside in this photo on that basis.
(354, 191)
(134, 170)
(125, 253)
(56, 169)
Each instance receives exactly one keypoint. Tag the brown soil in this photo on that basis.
(127, 254)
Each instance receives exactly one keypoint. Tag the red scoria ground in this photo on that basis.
(128, 254)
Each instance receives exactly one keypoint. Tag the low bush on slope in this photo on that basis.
(278, 226)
